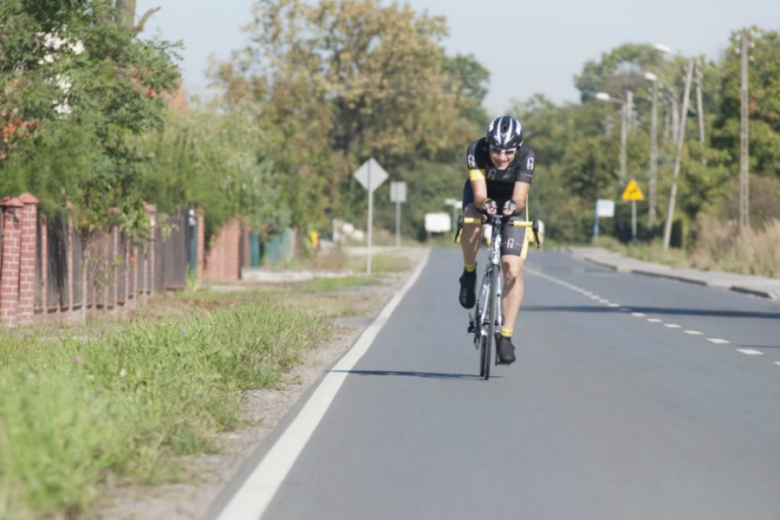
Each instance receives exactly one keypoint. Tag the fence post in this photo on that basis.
(115, 267)
(151, 210)
(71, 285)
(44, 269)
(201, 247)
(11, 209)
(29, 244)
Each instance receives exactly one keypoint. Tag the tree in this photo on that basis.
(344, 80)
(92, 84)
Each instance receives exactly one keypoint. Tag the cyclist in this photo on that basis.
(501, 167)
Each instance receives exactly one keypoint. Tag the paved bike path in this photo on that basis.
(605, 415)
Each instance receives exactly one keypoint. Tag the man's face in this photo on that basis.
(501, 158)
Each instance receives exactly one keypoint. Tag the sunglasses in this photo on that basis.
(508, 153)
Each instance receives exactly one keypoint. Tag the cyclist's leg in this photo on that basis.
(472, 233)
(513, 253)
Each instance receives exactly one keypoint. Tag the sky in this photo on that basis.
(529, 47)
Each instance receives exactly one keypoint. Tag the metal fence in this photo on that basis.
(109, 270)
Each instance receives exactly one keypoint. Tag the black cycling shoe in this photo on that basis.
(506, 351)
(468, 282)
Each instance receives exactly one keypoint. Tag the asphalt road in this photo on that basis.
(615, 409)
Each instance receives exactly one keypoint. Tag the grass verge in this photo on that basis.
(380, 264)
(718, 245)
(81, 412)
(332, 284)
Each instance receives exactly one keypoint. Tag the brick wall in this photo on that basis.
(223, 260)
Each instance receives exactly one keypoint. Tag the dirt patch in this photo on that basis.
(264, 409)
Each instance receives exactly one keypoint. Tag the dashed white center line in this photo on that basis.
(673, 326)
(750, 352)
(638, 314)
(614, 305)
(777, 363)
(718, 341)
(654, 320)
(603, 301)
(693, 332)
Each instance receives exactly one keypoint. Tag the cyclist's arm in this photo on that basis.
(479, 187)
(525, 174)
(520, 195)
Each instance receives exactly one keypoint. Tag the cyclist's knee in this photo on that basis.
(513, 270)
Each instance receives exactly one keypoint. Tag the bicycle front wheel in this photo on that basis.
(492, 312)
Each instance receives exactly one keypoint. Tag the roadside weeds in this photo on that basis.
(139, 411)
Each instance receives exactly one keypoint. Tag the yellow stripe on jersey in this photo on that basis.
(475, 175)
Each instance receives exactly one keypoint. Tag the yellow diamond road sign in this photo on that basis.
(632, 192)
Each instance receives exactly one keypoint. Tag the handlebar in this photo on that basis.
(515, 223)
(537, 226)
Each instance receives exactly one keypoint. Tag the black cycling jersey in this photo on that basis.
(500, 183)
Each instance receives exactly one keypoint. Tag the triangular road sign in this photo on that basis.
(632, 192)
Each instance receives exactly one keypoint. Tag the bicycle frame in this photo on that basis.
(488, 313)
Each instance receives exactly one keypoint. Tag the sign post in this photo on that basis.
(370, 175)
(604, 208)
(633, 193)
(398, 195)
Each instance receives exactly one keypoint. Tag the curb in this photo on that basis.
(671, 275)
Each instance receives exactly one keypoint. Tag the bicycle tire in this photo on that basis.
(479, 337)
(482, 356)
(490, 341)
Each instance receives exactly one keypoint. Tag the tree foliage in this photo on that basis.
(89, 84)
(345, 80)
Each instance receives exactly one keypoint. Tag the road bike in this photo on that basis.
(486, 322)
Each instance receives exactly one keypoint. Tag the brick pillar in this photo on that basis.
(12, 213)
(201, 247)
(29, 246)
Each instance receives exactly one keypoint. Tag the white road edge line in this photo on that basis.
(719, 341)
(750, 352)
(255, 494)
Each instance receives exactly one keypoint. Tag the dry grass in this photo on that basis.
(721, 245)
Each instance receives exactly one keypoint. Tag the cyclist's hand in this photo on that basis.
(509, 208)
(490, 207)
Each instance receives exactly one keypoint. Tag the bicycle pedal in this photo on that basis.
(472, 325)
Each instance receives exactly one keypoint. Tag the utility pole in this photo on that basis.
(700, 110)
(744, 197)
(653, 156)
(678, 158)
(675, 115)
(623, 125)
